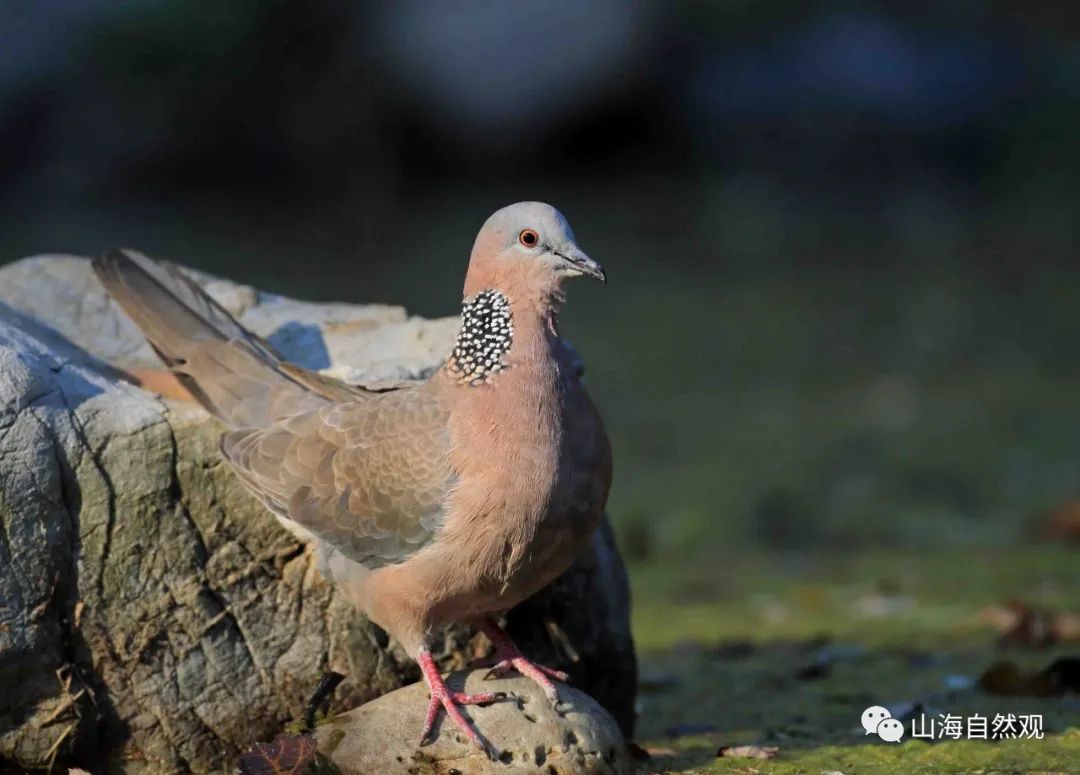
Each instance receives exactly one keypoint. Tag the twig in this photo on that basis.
(55, 748)
(63, 705)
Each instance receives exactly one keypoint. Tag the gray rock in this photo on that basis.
(153, 616)
(529, 735)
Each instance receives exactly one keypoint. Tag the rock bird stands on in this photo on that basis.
(450, 500)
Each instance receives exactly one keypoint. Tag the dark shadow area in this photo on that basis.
(60, 352)
(302, 344)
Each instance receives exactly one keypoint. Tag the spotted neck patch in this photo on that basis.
(487, 330)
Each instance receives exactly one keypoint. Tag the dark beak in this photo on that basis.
(579, 263)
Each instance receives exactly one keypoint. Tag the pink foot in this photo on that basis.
(508, 657)
(450, 701)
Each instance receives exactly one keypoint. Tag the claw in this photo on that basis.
(508, 657)
(451, 701)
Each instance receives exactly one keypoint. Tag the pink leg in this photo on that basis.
(443, 697)
(508, 657)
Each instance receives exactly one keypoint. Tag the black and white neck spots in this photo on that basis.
(487, 330)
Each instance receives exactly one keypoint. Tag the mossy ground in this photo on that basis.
(721, 644)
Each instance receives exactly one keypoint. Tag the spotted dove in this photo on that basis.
(448, 500)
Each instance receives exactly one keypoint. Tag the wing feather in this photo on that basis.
(368, 477)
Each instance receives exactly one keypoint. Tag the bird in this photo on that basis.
(447, 500)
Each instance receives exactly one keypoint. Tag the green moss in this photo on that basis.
(722, 646)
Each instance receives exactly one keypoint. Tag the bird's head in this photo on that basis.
(527, 249)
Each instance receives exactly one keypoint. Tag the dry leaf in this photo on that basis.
(659, 752)
(1065, 628)
(1023, 625)
(287, 755)
(747, 751)
(1001, 616)
(1062, 523)
(1032, 627)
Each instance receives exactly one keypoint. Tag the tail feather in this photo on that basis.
(234, 374)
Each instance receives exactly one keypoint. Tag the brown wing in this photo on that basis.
(334, 388)
(367, 477)
(364, 470)
(236, 375)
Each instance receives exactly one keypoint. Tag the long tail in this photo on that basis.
(235, 375)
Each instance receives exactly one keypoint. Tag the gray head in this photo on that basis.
(529, 240)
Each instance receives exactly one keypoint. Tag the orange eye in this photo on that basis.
(529, 238)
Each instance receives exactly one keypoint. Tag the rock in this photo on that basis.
(153, 616)
(530, 736)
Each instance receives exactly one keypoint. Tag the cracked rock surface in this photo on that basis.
(154, 618)
(527, 733)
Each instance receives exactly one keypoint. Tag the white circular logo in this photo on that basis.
(873, 716)
(890, 730)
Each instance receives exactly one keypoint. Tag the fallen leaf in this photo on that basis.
(1032, 627)
(747, 751)
(1023, 625)
(1001, 616)
(286, 755)
(1062, 523)
(660, 752)
(1066, 628)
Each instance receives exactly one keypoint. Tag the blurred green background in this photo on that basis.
(841, 237)
(843, 311)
